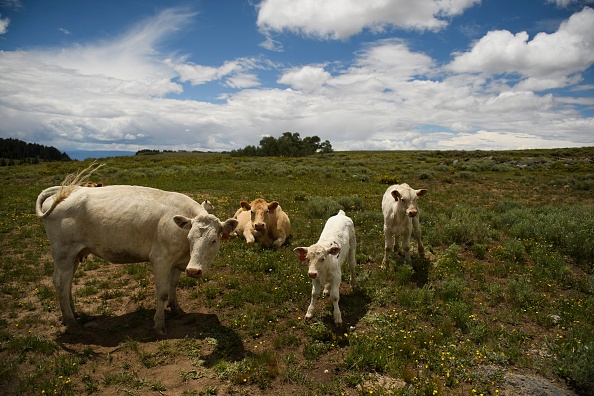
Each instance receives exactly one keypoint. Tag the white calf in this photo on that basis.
(401, 219)
(337, 243)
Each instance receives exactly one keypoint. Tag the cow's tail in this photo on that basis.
(62, 191)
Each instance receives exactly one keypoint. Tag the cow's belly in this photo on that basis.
(120, 256)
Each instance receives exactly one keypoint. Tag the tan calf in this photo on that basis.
(263, 222)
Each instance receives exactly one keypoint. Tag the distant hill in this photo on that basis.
(15, 151)
(84, 154)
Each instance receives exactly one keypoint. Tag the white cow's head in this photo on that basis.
(204, 233)
(315, 256)
(407, 199)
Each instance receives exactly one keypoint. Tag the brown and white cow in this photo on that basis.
(263, 222)
(129, 224)
(401, 219)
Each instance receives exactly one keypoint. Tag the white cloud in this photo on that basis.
(4, 22)
(341, 19)
(115, 94)
(547, 61)
(567, 3)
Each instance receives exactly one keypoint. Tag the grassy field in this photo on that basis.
(504, 300)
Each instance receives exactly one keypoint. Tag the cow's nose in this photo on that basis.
(312, 275)
(259, 226)
(412, 213)
(194, 272)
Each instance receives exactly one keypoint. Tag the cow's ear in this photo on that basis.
(334, 250)
(395, 194)
(183, 222)
(421, 192)
(301, 252)
(272, 206)
(227, 227)
(245, 206)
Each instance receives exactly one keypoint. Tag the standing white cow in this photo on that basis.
(401, 219)
(337, 243)
(129, 224)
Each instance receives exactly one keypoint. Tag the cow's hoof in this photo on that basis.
(160, 330)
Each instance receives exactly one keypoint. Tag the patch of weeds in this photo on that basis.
(575, 354)
(387, 178)
(259, 368)
(293, 373)
(351, 204)
(511, 251)
(322, 207)
(300, 196)
(452, 289)
(460, 312)
(314, 349)
(520, 293)
(480, 251)
(287, 340)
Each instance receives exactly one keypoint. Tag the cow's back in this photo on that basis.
(119, 223)
(279, 221)
(339, 228)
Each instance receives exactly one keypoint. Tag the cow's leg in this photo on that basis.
(352, 263)
(162, 274)
(248, 234)
(334, 297)
(64, 266)
(327, 288)
(282, 237)
(389, 247)
(315, 292)
(417, 236)
(176, 310)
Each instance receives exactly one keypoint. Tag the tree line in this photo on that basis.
(15, 151)
(287, 145)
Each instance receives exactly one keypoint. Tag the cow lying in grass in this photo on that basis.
(401, 219)
(129, 224)
(336, 245)
(263, 222)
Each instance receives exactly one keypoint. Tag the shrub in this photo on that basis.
(351, 203)
(322, 208)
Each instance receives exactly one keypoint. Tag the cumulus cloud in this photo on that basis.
(547, 61)
(235, 74)
(341, 19)
(4, 22)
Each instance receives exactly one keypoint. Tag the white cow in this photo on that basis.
(337, 243)
(401, 219)
(129, 224)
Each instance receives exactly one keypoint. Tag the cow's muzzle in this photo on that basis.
(260, 227)
(412, 213)
(194, 272)
(312, 275)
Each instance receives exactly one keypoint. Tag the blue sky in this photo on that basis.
(365, 75)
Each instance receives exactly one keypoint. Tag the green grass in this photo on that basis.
(507, 285)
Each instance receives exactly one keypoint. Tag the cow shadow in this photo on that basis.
(111, 331)
(353, 307)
